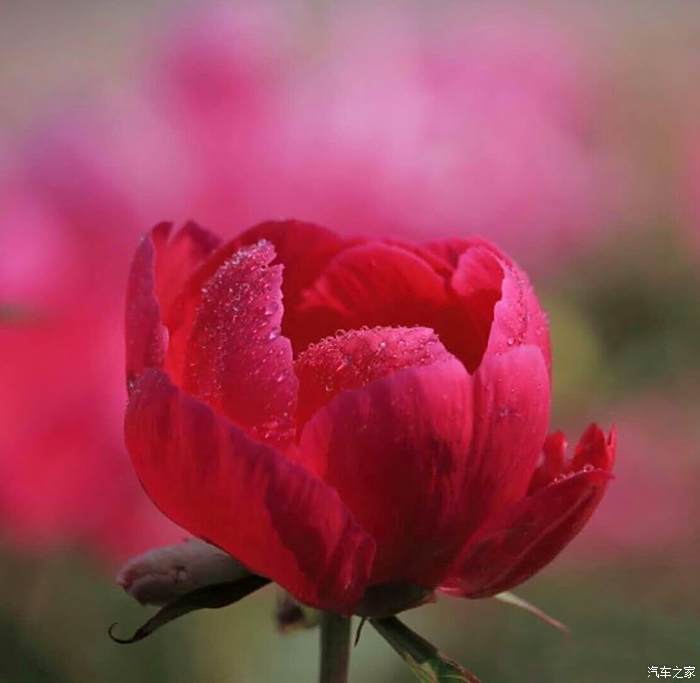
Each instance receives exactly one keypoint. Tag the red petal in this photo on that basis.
(372, 284)
(237, 360)
(511, 408)
(146, 338)
(494, 306)
(468, 320)
(517, 317)
(187, 249)
(552, 457)
(396, 453)
(266, 511)
(353, 359)
(515, 545)
(594, 450)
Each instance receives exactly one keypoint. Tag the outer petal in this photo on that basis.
(146, 338)
(515, 545)
(517, 318)
(236, 358)
(160, 267)
(511, 409)
(271, 514)
(395, 451)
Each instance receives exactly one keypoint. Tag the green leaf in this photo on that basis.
(428, 664)
(209, 597)
(512, 599)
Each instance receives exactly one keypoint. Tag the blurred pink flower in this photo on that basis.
(64, 476)
(475, 121)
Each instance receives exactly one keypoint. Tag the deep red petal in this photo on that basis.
(369, 285)
(468, 319)
(395, 451)
(266, 511)
(237, 360)
(351, 360)
(146, 337)
(552, 461)
(527, 536)
(450, 250)
(594, 450)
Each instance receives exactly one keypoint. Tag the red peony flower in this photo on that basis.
(340, 414)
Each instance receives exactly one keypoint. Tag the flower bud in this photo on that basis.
(161, 575)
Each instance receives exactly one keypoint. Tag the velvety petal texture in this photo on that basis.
(394, 450)
(236, 359)
(342, 415)
(243, 496)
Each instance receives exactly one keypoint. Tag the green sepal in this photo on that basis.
(428, 664)
(209, 597)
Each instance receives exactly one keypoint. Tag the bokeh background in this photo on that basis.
(567, 132)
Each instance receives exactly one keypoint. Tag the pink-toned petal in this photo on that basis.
(244, 497)
(511, 408)
(185, 251)
(237, 360)
(395, 451)
(516, 544)
(353, 359)
(146, 337)
(371, 284)
(518, 317)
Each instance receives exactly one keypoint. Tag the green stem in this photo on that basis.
(335, 648)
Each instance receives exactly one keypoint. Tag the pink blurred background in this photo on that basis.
(567, 133)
